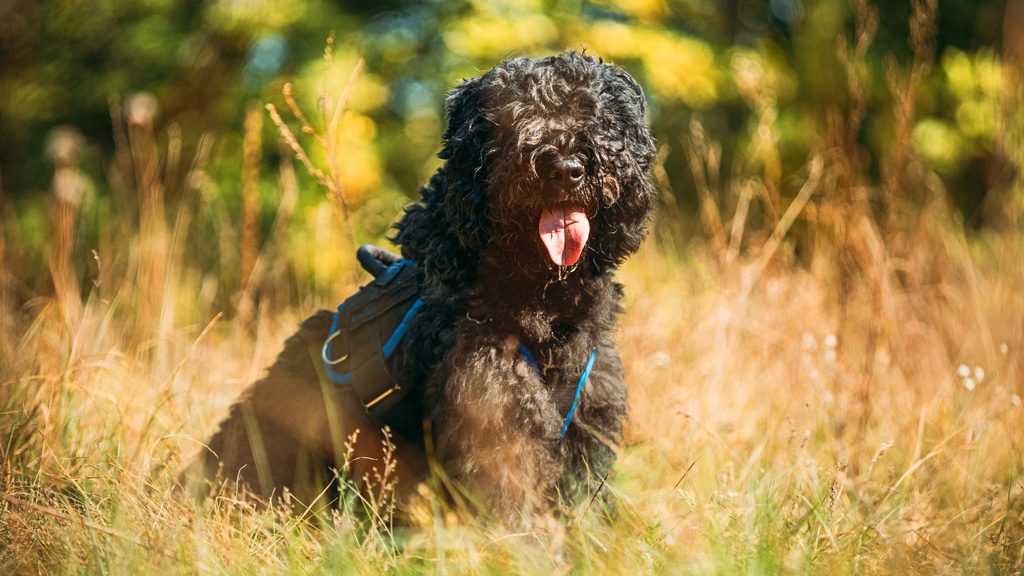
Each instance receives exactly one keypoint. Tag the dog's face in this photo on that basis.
(549, 162)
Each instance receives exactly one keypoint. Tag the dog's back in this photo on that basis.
(294, 428)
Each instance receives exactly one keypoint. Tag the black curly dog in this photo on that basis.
(544, 192)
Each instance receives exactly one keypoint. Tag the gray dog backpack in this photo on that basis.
(366, 331)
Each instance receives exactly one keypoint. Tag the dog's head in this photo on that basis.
(548, 161)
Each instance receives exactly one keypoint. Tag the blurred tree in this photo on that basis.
(62, 60)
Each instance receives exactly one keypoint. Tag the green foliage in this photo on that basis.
(65, 62)
(764, 83)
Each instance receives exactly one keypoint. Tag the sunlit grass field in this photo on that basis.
(777, 423)
(827, 379)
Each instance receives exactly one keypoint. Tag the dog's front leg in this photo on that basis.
(593, 440)
(496, 425)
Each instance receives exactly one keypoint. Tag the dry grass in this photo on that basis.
(851, 407)
(761, 438)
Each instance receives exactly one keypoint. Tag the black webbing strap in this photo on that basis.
(365, 334)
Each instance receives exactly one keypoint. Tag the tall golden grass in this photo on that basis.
(831, 382)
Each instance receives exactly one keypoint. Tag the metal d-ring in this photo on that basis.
(327, 345)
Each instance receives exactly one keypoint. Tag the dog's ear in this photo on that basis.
(624, 217)
(463, 107)
(465, 152)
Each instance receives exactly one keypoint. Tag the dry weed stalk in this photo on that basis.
(327, 140)
(252, 148)
(7, 263)
(782, 227)
(845, 127)
(1010, 137)
(704, 158)
(382, 502)
(79, 520)
(898, 177)
(847, 215)
(64, 147)
(376, 489)
(268, 271)
(764, 141)
(252, 144)
(139, 114)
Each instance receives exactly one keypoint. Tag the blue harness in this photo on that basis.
(389, 347)
(579, 385)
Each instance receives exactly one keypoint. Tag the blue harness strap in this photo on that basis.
(529, 357)
(389, 347)
(579, 388)
(579, 385)
(325, 353)
(396, 338)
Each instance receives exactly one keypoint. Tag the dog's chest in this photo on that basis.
(560, 369)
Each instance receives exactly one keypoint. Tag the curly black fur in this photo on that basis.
(488, 285)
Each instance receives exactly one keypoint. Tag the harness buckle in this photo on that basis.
(325, 351)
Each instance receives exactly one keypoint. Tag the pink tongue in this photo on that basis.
(564, 232)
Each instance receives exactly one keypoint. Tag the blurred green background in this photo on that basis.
(764, 78)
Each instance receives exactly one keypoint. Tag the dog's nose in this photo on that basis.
(567, 171)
